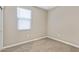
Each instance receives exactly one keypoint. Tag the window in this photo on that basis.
(24, 19)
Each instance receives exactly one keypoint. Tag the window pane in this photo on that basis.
(24, 19)
(24, 24)
(23, 13)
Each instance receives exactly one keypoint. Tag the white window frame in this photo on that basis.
(30, 20)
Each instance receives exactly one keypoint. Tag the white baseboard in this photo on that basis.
(68, 43)
(22, 43)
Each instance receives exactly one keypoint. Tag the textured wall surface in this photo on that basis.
(12, 35)
(63, 23)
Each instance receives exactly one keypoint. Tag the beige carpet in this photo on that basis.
(44, 45)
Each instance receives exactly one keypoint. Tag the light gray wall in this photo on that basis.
(63, 23)
(12, 35)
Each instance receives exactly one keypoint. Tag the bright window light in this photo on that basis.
(24, 19)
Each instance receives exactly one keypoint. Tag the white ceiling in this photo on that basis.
(46, 7)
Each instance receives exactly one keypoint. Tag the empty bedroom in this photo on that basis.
(39, 29)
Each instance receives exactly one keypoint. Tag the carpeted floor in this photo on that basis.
(43, 45)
